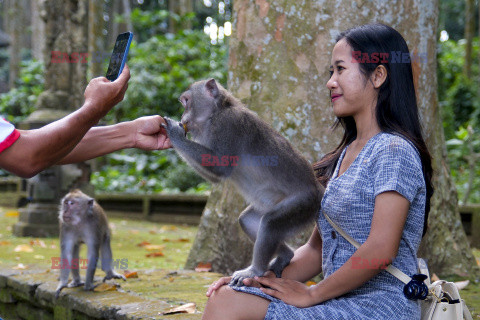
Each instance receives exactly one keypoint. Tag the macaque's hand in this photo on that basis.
(175, 130)
(149, 133)
(101, 94)
(289, 291)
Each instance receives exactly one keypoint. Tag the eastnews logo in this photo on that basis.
(247, 160)
(58, 263)
(383, 57)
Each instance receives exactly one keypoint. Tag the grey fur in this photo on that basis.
(282, 192)
(82, 220)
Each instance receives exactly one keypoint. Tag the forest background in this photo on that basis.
(175, 45)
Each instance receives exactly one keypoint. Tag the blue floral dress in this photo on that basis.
(387, 162)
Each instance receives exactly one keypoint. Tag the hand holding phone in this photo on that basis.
(119, 55)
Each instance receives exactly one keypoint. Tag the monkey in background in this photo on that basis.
(283, 195)
(82, 220)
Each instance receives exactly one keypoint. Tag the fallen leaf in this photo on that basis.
(133, 231)
(20, 266)
(130, 274)
(186, 308)
(462, 284)
(152, 247)
(177, 240)
(152, 231)
(203, 267)
(12, 213)
(105, 287)
(154, 254)
(38, 256)
(310, 283)
(38, 242)
(5, 243)
(168, 228)
(23, 248)
(143, 244)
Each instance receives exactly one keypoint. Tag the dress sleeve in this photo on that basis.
(8, 134)
(397, 167)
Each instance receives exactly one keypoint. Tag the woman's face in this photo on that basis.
(350, 91)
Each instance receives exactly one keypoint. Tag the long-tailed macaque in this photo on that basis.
(230, 142)
(82, 220)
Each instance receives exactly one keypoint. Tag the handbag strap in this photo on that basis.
(397, 273)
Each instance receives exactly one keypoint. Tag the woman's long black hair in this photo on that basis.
(396, 110)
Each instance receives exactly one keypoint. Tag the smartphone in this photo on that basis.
(119, 55)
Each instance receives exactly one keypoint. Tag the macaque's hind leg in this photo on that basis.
(76, 282)
(284, 219)
(66, 257)
(285, 254)
(250, 222)
(106, 255)
(92, 253)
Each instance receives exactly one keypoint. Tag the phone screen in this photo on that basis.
(119, 55)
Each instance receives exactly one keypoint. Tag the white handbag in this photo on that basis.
(443, 301)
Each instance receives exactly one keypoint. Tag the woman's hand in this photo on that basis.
(248, 282)
(217, 284)
(289, 291)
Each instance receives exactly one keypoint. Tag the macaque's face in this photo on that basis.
(198, 104)
(74, 209)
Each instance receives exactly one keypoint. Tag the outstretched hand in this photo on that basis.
(149, 134)
(289, 291)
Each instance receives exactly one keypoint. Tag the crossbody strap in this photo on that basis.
(397, 273)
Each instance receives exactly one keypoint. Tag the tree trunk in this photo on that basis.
(96, 38)
(469, 31)
(279, 58)
(179, 8)
(15, 32)
(38, 30)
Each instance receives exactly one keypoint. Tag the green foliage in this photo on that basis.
(161, 69)
(19, 102)
(460, 110)
(158, 171)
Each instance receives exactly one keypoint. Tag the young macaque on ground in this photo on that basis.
(230, 142)
(82, 220)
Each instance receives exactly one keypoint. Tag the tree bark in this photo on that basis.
(38, 30)
(96, 38)
(15, 32)
(278, 66)
(179, 8)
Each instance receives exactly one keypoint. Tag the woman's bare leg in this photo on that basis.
(226, 303)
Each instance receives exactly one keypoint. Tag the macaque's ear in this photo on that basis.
(212, 88)
(90, 205)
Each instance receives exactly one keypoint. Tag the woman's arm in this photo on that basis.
(143, 133)
(307, 260)
(390, 214)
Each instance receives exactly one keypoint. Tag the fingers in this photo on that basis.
(217, 284)
(124, 76)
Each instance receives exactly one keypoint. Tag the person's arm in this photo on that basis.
(38, 149)
(143, 133)
(390, 214)
(307, 260)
